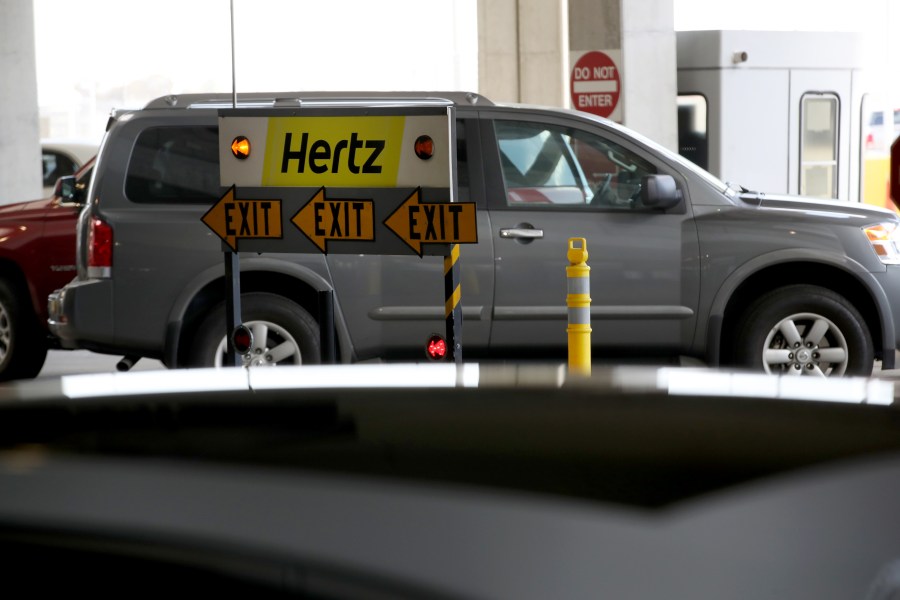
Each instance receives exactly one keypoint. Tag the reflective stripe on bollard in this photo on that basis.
(578, 301)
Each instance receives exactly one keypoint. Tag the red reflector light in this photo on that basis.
(424, 147)
(100, 244)
(436, 348)
(242, 338)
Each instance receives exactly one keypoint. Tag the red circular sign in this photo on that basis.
(595, 84)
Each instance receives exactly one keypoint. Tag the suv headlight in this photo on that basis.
(885, 240)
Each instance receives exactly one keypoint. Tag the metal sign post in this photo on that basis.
(452, 305)
(232, 260)
(232, 304)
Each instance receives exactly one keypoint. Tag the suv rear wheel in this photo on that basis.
(804, 330)
(23, 345)
(283, 334)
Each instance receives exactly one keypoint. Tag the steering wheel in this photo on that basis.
(603, 189)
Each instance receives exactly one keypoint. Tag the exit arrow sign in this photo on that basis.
(232, 219)
(418, 223)
(323, 219)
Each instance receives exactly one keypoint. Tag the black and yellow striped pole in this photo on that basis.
(452, 307)
(578, 301)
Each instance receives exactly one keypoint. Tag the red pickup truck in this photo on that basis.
(37, 256)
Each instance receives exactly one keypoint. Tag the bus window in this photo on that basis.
(819, 145)
(693, 139)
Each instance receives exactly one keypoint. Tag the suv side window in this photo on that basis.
(174, 165)
(462, 160)
(549, 165)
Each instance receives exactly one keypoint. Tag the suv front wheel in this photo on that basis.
(283, 334)
(804, 330)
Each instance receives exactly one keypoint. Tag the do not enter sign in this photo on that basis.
(596, 85)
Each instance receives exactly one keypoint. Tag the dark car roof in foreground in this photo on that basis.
(660, 439)
(432, 483)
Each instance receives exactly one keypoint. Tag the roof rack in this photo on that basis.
(297, 99)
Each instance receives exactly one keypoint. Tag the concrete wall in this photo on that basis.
(20, 154)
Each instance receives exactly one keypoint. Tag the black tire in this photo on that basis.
(23, 343)
(276, 322)
(804, 330)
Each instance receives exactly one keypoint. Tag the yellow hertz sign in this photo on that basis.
(333, 152)
(344, 172)
(371, 151)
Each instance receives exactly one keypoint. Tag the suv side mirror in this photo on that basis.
(67, 191)
(659, 191)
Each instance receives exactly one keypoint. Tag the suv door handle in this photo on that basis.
(521, 233)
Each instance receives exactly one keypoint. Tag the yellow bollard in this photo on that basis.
(578, 301)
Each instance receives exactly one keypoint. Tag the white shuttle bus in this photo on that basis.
(782, 111)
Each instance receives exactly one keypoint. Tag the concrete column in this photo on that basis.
(650, 85)
(543, 51)
(20, 153)
(644, 33)
(525, 48)
(498, 49)
(595, 25)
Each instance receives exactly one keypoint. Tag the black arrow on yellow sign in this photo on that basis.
(324, 219)
(232, 219)
(418, 223)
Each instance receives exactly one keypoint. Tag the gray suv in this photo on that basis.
(682, 265)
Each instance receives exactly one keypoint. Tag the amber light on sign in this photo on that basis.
(240, 147)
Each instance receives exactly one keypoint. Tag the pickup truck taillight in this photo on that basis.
(100, 248)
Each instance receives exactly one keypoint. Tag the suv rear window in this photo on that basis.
(174, 165)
